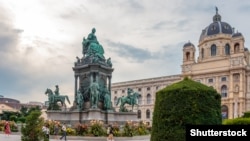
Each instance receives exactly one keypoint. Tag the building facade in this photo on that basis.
(223, 63)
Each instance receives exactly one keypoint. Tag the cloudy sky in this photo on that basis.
(40, 39)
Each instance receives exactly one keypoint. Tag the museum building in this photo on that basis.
(223, 63)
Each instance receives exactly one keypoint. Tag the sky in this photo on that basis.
(40, 39)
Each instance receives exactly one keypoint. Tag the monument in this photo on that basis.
(92, 90)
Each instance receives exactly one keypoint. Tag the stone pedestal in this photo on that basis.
(73, 117)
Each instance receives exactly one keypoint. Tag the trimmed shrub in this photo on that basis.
(237, 121)
(182, 103)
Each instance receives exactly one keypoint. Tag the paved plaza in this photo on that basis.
(17, 137)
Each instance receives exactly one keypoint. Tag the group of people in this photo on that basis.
(46, 131)
(110, 132)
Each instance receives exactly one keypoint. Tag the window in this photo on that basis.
(115, 92)
(123, 91)
(236, 48)
(148, 88)
(188, 56)
(198, 80)
(148, 99)
(210, 80)
(236, 77)
(139, 89)
(140, 100)
(148, 114)
(224, 91)
(223, 79)
(224, 112)
(202, 53)
(139, 114)
(227, 49)
(213, 50)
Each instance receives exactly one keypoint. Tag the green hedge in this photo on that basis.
(182, 103)
(237, 121)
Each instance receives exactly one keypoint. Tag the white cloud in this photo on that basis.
(143, 38)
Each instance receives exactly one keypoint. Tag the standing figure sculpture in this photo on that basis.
(94, 94)
(107, 99)
(79, 100)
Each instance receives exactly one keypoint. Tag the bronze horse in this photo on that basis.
(53, 99)
(131, 101)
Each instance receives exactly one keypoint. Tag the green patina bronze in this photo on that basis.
(80, 100)
(91, 47)
(95, 94)
(53, 99)
(130, 99)
(107, 99)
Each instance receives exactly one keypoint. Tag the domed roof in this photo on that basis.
(217, 27)
(237, 34)
(188, 44)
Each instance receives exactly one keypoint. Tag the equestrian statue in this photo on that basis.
(130, 99)
(54, 98)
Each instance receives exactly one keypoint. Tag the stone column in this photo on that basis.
(235, 107)
(109, 85)
(76, 80)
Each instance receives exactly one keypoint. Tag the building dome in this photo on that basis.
(188, 44)
(217, 27)
(238, 34)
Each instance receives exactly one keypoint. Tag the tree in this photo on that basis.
(32, 131)
(182, 103)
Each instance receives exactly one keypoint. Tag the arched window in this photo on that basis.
(140, 99)
(148, 99)
(148, 113)
(224, 91)
(188, 56)
(139, 114)
(213, 50)
(115, 99)
(236, 48)
(227, 49)
(202, 53)
(224, 112)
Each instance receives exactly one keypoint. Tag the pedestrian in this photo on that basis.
(110, 132)
(47, 131)
(7, 130)
(64, 132)
(56, 130)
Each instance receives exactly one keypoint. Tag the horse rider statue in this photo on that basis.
(56, 92)
(129, 95)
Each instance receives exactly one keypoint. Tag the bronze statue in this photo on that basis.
(131, 99)
(57, 90)
(80, 100)
(107, 99)
(94, 93)
(91, 46)
(53, 99)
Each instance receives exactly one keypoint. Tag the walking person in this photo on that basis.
(64, 132)
(7, 130)
(110, 132)
(56, 130)
(47, 131)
